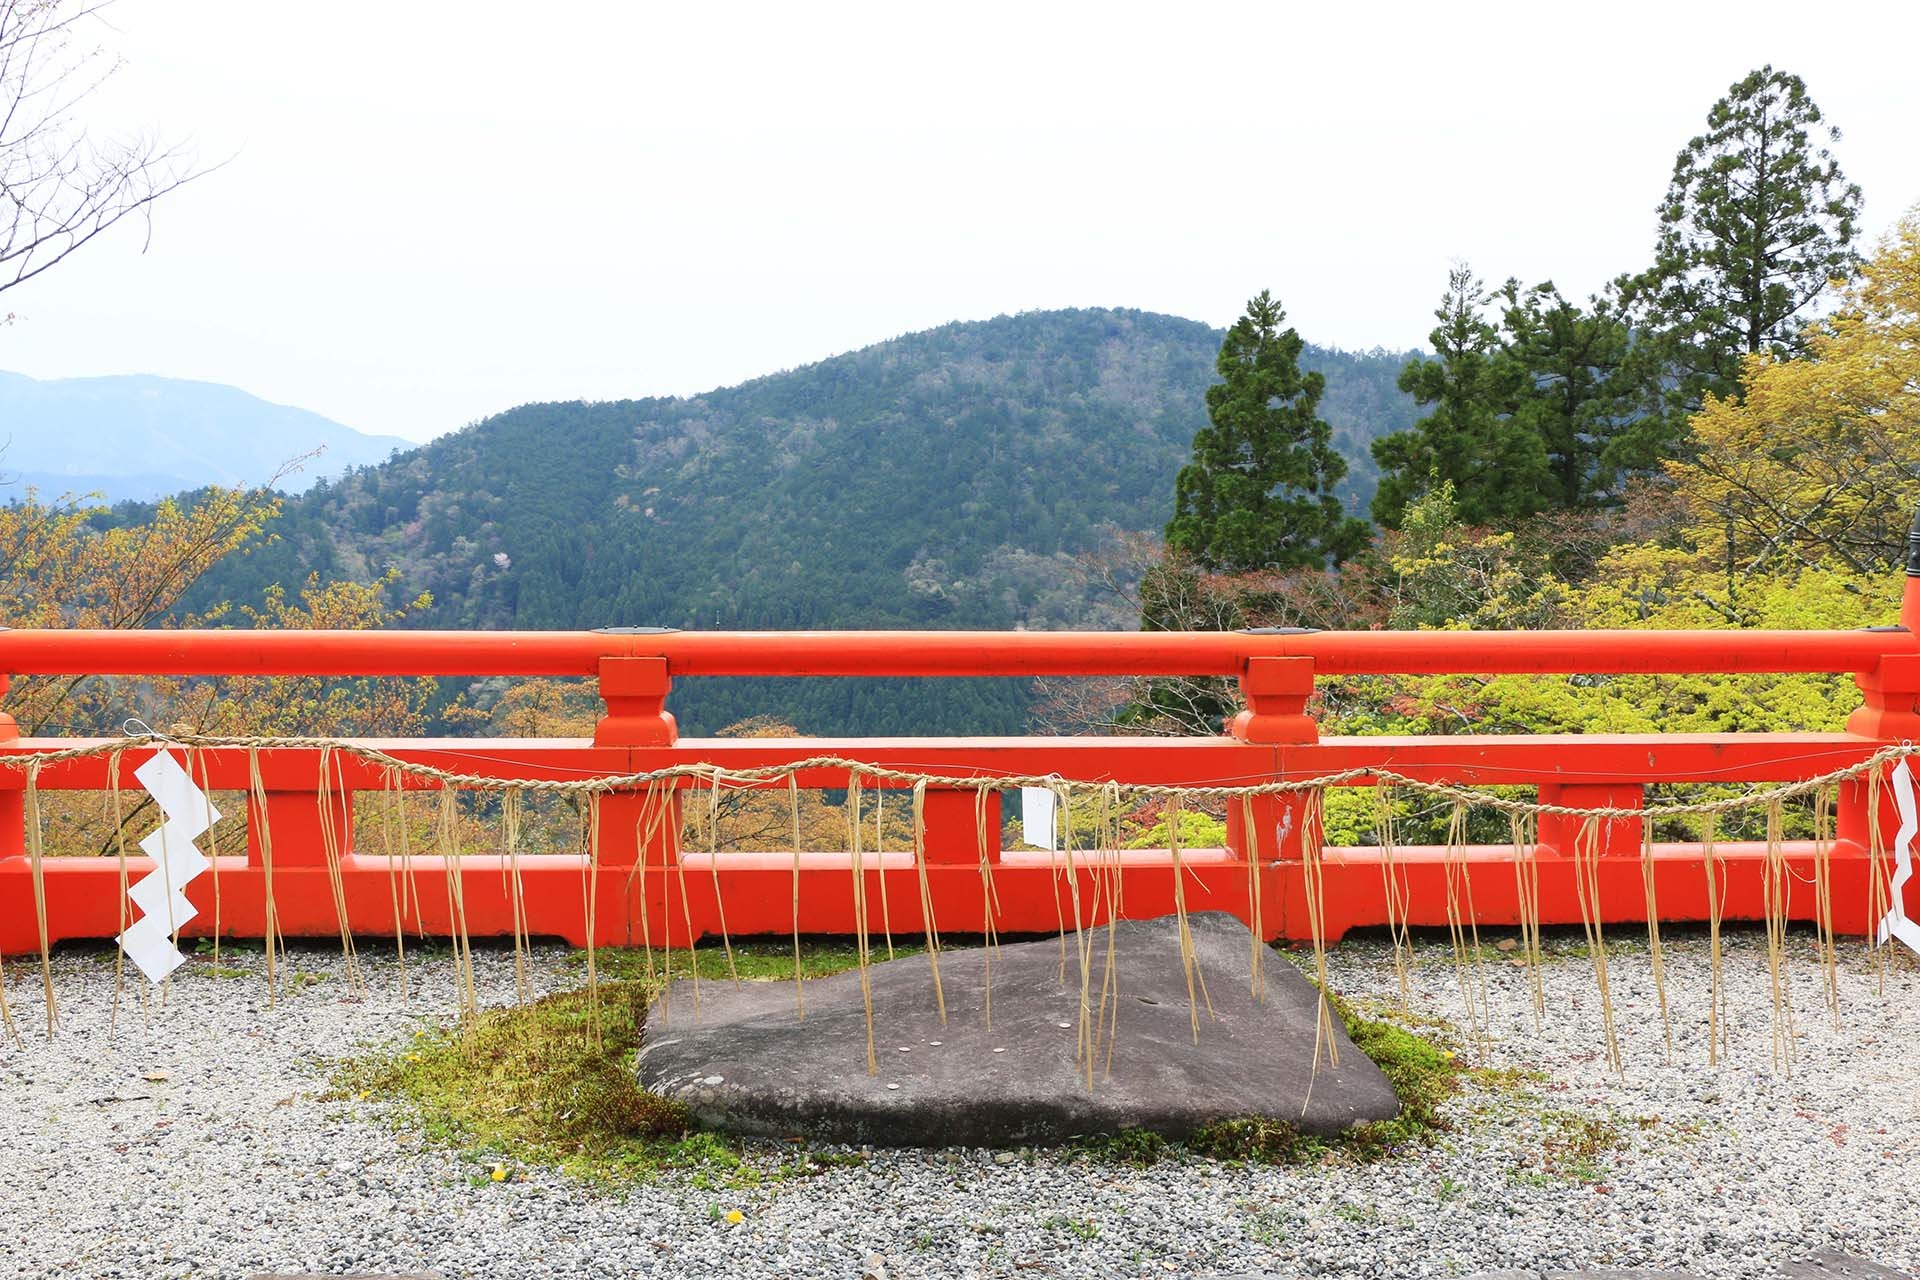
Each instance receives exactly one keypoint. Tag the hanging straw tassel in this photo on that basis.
(1879, 887)
(591, 906)
(270, 931)
(35, 855)
(400, 877)
(686, 920)
(1526, 877)
(646, 829)
(1312, 826)
(1250, 836)
(926, 894)
(862, 950)
(799, 987)
(336, 882)
(1189, 962)
(1586, 879)
(1777, 889)
(880, 864)
(510, 808)
(989, 902)
(713, 865)
(1393, 881)
(1823, 896)
(120, 853)
(448, 836)
(1653, 931)
(1107, 840)
(1313, 873)
(1463, 928)
(213, 844)
(1716, 987)
(856, 793)
(1086, 1032)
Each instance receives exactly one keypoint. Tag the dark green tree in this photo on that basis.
(1564, 367)
(1259, 491)
(1757, 221)
(1498, 467)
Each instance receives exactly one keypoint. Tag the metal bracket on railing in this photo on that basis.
(1913, 547)
(635, 631)
(1280, 631)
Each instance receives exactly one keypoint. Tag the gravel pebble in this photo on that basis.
(192, 1141)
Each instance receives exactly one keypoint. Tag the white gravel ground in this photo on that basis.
(192, 1141)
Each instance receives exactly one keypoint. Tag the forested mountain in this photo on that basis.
(943, 479)
(139, 437)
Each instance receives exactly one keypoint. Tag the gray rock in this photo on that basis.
(1829, 1265)
(743, 1062)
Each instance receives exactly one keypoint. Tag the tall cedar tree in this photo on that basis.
(1498, 469)
(1259, 491)
(1757, 221)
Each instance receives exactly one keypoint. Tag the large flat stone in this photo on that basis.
(743, 1062)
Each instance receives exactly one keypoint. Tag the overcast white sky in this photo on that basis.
(436, 211)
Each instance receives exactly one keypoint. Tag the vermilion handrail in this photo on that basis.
(939, 653)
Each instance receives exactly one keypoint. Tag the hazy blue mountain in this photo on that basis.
(141, 437)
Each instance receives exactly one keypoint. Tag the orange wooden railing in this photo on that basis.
(638, 877)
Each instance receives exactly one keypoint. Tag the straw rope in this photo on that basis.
(722, 775)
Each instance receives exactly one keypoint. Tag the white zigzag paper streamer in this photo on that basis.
(1896, 924)
(148, 942)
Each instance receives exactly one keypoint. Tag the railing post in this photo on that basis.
(13, 801)
(293, 820)
(1617, 837)
(1276, 690)
(953, 835)
(632, 831)
(635, 692)
(1890, 706)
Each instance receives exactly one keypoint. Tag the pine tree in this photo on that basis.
(1565, 363)
(1259, 491)
(1498, 467)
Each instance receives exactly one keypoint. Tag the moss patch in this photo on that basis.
(552, 1082)
(548, 1082)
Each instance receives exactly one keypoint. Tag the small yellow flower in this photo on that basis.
(361, 1096)
(735, 1216)
(499, 1173)
(413, 1057)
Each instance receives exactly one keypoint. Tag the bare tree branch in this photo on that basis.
(59, 188)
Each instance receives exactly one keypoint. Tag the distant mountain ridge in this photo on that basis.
(139, 437)
(947, 478)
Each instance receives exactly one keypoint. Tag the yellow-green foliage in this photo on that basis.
(1197, 831)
